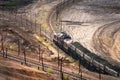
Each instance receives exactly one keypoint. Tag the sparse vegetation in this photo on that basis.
(65, 77)
(11, 4)
(72, 60)
(11, 47)
(70, 64)
(49, 70)
(75, 73)
(15, 70)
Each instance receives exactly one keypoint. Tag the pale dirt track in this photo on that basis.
(106, 40)
(84, 29)
(99, 28)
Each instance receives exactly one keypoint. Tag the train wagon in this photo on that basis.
(77, 51)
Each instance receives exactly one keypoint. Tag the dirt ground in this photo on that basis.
(26, 73)
(98, 28)
(49, 57)
(11, 70)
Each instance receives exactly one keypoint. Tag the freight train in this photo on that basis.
(77, 51)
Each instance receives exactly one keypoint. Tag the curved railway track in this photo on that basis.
(55, 13)
(51, 16)
(17, 20)
(97, 35)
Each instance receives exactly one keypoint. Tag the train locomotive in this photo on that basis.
(77, 51)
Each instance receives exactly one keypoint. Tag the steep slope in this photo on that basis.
(11, 70)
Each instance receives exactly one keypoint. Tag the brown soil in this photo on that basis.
(24, 73)
(10, 70)
(106, 40)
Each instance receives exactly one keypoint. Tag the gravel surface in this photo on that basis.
(95, 23)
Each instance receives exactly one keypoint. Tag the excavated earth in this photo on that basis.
(91, 27)
(96, 25)
(11, 70)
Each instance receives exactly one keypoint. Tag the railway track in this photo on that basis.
(99, 41)
(46, 66)
(55, 14)
(53, 31)
(22, 22)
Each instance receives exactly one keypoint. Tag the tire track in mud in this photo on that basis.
(56, 12)
(106, 39)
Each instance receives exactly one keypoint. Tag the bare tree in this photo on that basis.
(35, 22)
(19, 47)
(6, 52)
(39, 52)
(24, 52)
(2, 42)
(42, 60)
(58, 57)
(21, 24)
(80, 70)
(61, 71)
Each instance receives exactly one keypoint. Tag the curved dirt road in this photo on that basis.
(95, 24)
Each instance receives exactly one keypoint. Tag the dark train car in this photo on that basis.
(94, 59)
(62, 40)
(78, 52)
